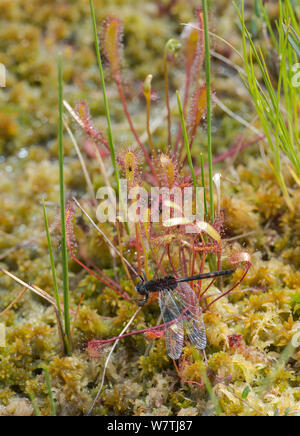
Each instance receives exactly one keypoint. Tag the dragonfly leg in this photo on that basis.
(205, 358)
(142, 301)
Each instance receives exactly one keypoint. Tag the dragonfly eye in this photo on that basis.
(140, 288)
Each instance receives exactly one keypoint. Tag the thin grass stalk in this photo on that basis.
(186, 141)
(108, 359)
(122, 257)
(64, 250)
(61, 333)
(147, 94)
(146, 261)
(49, 388)
(18, 297)
(207, 383)
(203, 185)
(82, 162)
(34, 403)
(77, 313)
(205, 6)
(167, 94)
(55, 286)
(43, 295)
(109, 129)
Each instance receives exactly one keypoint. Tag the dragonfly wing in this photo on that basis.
(187, 302)
(174, 331)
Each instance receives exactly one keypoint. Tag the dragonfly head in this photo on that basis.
(141, 288)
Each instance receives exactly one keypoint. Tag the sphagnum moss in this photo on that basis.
(266, 314)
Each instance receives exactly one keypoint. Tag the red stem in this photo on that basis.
(231, 152)
(124, 294)
(102, 273)
(186, 381)
(230, 290)
(171, 263)
(138, 332)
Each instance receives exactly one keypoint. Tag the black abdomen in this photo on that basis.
(158, 285)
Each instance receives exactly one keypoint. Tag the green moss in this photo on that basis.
(141, 380)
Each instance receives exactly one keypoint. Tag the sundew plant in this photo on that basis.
(150, 220)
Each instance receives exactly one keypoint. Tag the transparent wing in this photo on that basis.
(174, 332)
(188, 305)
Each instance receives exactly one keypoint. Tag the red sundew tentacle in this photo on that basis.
(197, 113)
(101, 342)
(202, 264)
(171, 263)
(113, 283)
(230, 290)
(123, 295)
(213, 280)
(206, 249)
(231, 152)
(184, 261)
(76, 313)
(69, 232)
(156, 261)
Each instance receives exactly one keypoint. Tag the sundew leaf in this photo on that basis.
(191, 48)
(198, 107)
(112, 43)
(173, 222)
(168, 168)
(209, 230)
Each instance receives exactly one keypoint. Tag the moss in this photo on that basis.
(141, 379)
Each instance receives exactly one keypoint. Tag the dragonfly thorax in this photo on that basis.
(157, 285)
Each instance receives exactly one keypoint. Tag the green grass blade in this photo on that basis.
(293, 40)
(49, 388)
(186, 141)
(203, 184)
(205, 7)
(109, 129)
(51, 260)
(34, 403)
(62, 209)
(268, 23)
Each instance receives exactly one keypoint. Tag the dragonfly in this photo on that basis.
(180, 309)
(178, 302)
